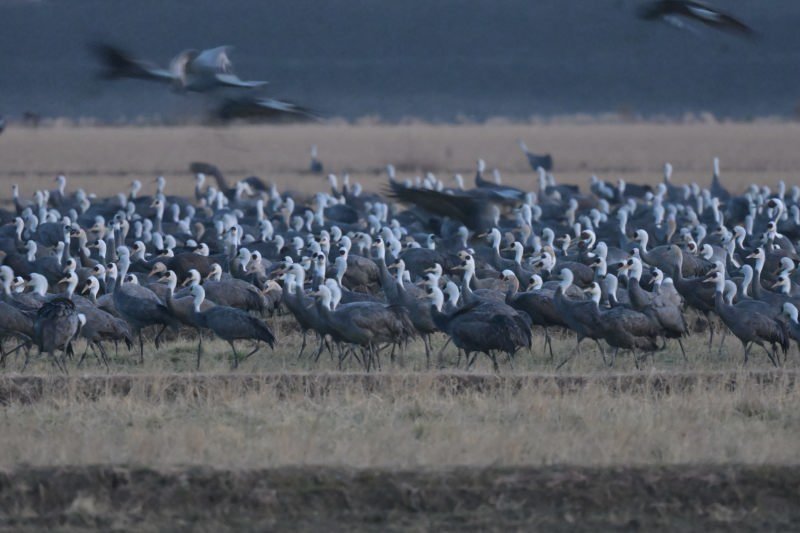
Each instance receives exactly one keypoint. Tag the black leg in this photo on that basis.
(255, 349)
(235, 355)
(141, 348)
(680, 343)
(302, 346)
(571, 354)
(199, 347)
(158, 336)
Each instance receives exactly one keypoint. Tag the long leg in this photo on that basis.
(367, 358)
(680, 343)
(199, 347)
(104, 355)
(303, 345)
(469, 359)
(329, 347)
(9, 352)
(441, 351)
(235, 355)
(711, 332)
(746, 346)
(377, 353)
(602, 350)
(318, 351)
(548, 343)
(769, 355)
(94, 352)
(83, 355)
(62, 363)
(141, 348)
(572, 354)
(493, 357)
(158, 335)
(254, 350)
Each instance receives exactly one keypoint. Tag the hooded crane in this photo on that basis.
(364, 324)
(750, 326)
(230, 324)
(665, 309)
(475, 328)
(100, 326)
(624, 328)
(57, 324)
(138, 305)
(183, 308)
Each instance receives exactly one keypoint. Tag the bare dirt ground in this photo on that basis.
(105, 160)
(690, 498)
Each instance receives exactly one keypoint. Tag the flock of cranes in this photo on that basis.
(629, 267)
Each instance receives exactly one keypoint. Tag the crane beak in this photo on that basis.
(186, 282)
(63, 280)
(776, 284)
(85, 289)
(752, 256)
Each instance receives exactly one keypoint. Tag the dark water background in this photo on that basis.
(431, 59)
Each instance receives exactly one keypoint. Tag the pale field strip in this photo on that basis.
(105, 160)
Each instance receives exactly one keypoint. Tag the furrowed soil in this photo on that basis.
(685, 498)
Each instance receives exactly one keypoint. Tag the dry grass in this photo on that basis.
(105, 160)
(411, 424)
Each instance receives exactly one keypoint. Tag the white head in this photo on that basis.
(198, 294)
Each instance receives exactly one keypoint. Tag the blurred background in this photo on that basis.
(442, 61)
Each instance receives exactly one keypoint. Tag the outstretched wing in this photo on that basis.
(714, 17)
(669, 10)
(232, 80)
(118, 64)
(536, 161)
(474, 210)
(255, 108)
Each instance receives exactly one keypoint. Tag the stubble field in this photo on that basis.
(286, 441)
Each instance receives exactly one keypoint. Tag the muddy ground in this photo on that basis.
(337, 499)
